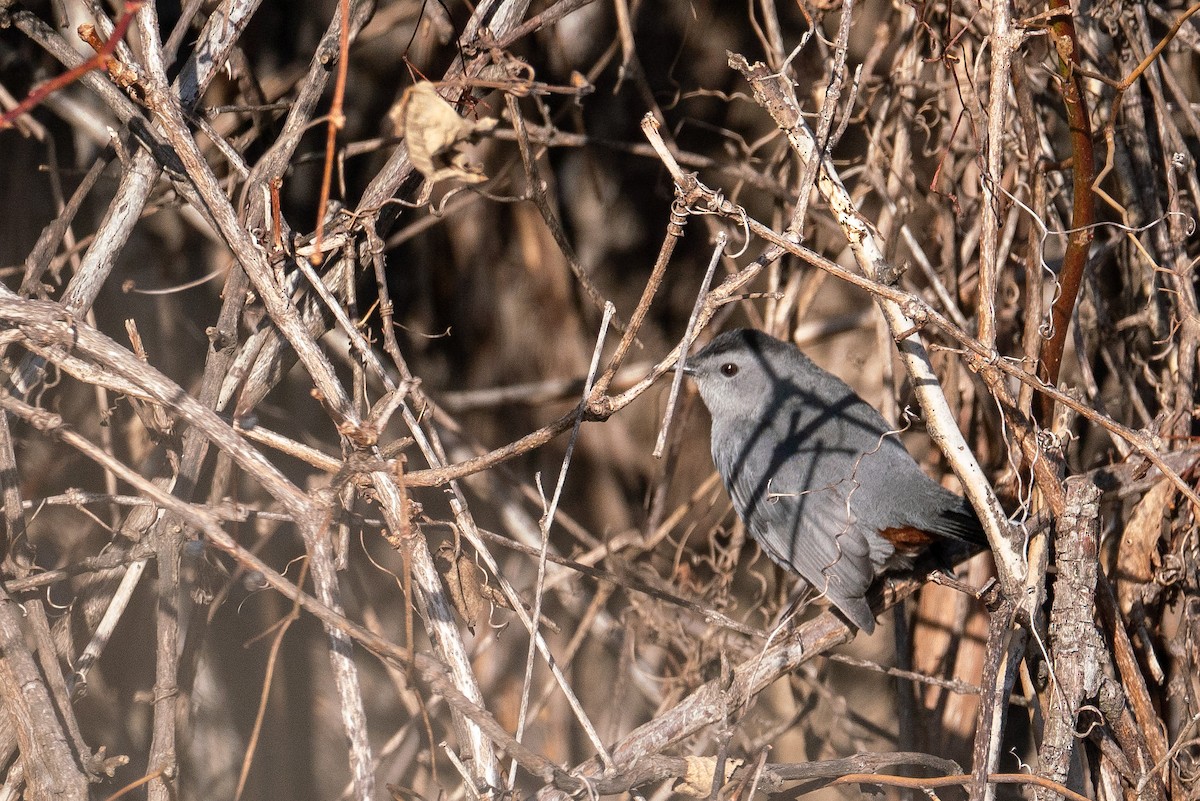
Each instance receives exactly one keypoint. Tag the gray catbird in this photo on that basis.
(819, 478)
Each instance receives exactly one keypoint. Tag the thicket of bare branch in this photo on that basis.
(335, 348)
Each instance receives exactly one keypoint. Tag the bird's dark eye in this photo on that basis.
(729, 369)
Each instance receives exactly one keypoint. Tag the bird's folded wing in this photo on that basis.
(813, 534)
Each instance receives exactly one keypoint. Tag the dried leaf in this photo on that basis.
(698, 781)
(464, 582)
(1137, 556)
(435, 133)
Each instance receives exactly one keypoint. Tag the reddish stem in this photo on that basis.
(96, 62)
(1083, 213)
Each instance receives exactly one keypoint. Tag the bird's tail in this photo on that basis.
(960, 522)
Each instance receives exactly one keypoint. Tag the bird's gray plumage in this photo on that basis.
(814, 470)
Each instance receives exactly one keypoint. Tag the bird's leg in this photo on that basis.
(800, 598)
